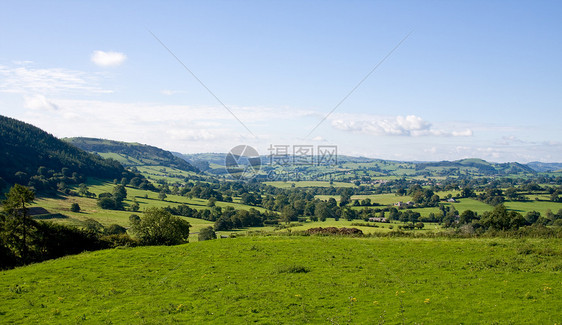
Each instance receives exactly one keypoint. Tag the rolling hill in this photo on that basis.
(25, 148)
(131, 154)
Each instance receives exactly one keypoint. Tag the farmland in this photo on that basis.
(295, 280)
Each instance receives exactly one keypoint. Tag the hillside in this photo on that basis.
(25, 148)
(295, 280)
(131, 154)
(545, 167)
(476, 167)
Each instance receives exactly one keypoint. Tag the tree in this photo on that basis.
(206, 234)
(288, 214)
(162, 196)
(133, 219)
(15, 208)
(501, 219)
(532, 216)
(115, 229)
(106, 203)
(467, 216)
(93, 226)
(135, 206)
(119, 193)
(322, 211)
(74, 207)
(212, 202)
(467, 192)
(345, 198)
(159, 227)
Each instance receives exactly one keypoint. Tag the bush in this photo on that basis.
(159, 227)
(106, 203)
(74, 207)
(115, 229)
(207, 234)
(93, 226)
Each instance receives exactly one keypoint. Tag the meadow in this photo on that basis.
(295, 279)
(307, 184)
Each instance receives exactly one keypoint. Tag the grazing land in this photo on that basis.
(295, 280)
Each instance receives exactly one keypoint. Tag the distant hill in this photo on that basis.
(131, 154)
(479, 166)
(472, 166)
(545, 167)
(25, 148)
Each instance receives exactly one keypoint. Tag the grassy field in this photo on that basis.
(463, 204)
(301, 184)
(382, 226)
(146, 199)
(169, 174)
(295, 280)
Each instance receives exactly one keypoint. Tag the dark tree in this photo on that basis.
(206, 234)
(74, 207)
(15, 207)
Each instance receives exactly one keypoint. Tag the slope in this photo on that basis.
(131, 154)
(25, 148)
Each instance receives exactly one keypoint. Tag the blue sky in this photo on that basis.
(474, 78)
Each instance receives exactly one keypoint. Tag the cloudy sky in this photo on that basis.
(405, 80)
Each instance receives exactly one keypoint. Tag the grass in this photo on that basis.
(303, 184)
(295, 280)
(382, 226)
(90, 209)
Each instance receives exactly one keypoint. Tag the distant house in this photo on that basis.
(403, 204)
(377, 219)
(451, 200)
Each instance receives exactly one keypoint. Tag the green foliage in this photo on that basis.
(29, 155)
(75, 207)
(206, 233)
(17, 225)
(159, 227)
(132, 153)
(107, 203)
(119, 193)
(114, 229)
(501, 219)
(93, 226)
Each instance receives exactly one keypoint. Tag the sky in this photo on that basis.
(401, 80)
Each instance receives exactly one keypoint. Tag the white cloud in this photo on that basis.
(29, 80)
(108, 59)
(38, 102)
(410, 125)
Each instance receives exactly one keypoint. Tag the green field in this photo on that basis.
(304, 184)
(90, 209)
(295, 280)
(463, 204)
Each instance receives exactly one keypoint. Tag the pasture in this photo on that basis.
(295, 280)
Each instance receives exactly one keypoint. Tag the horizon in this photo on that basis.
(404, 81)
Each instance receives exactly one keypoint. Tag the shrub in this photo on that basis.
(159, 227)
(207, 234)
(74, 207)
(115, 229)
(106, 203)
(93, 226)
